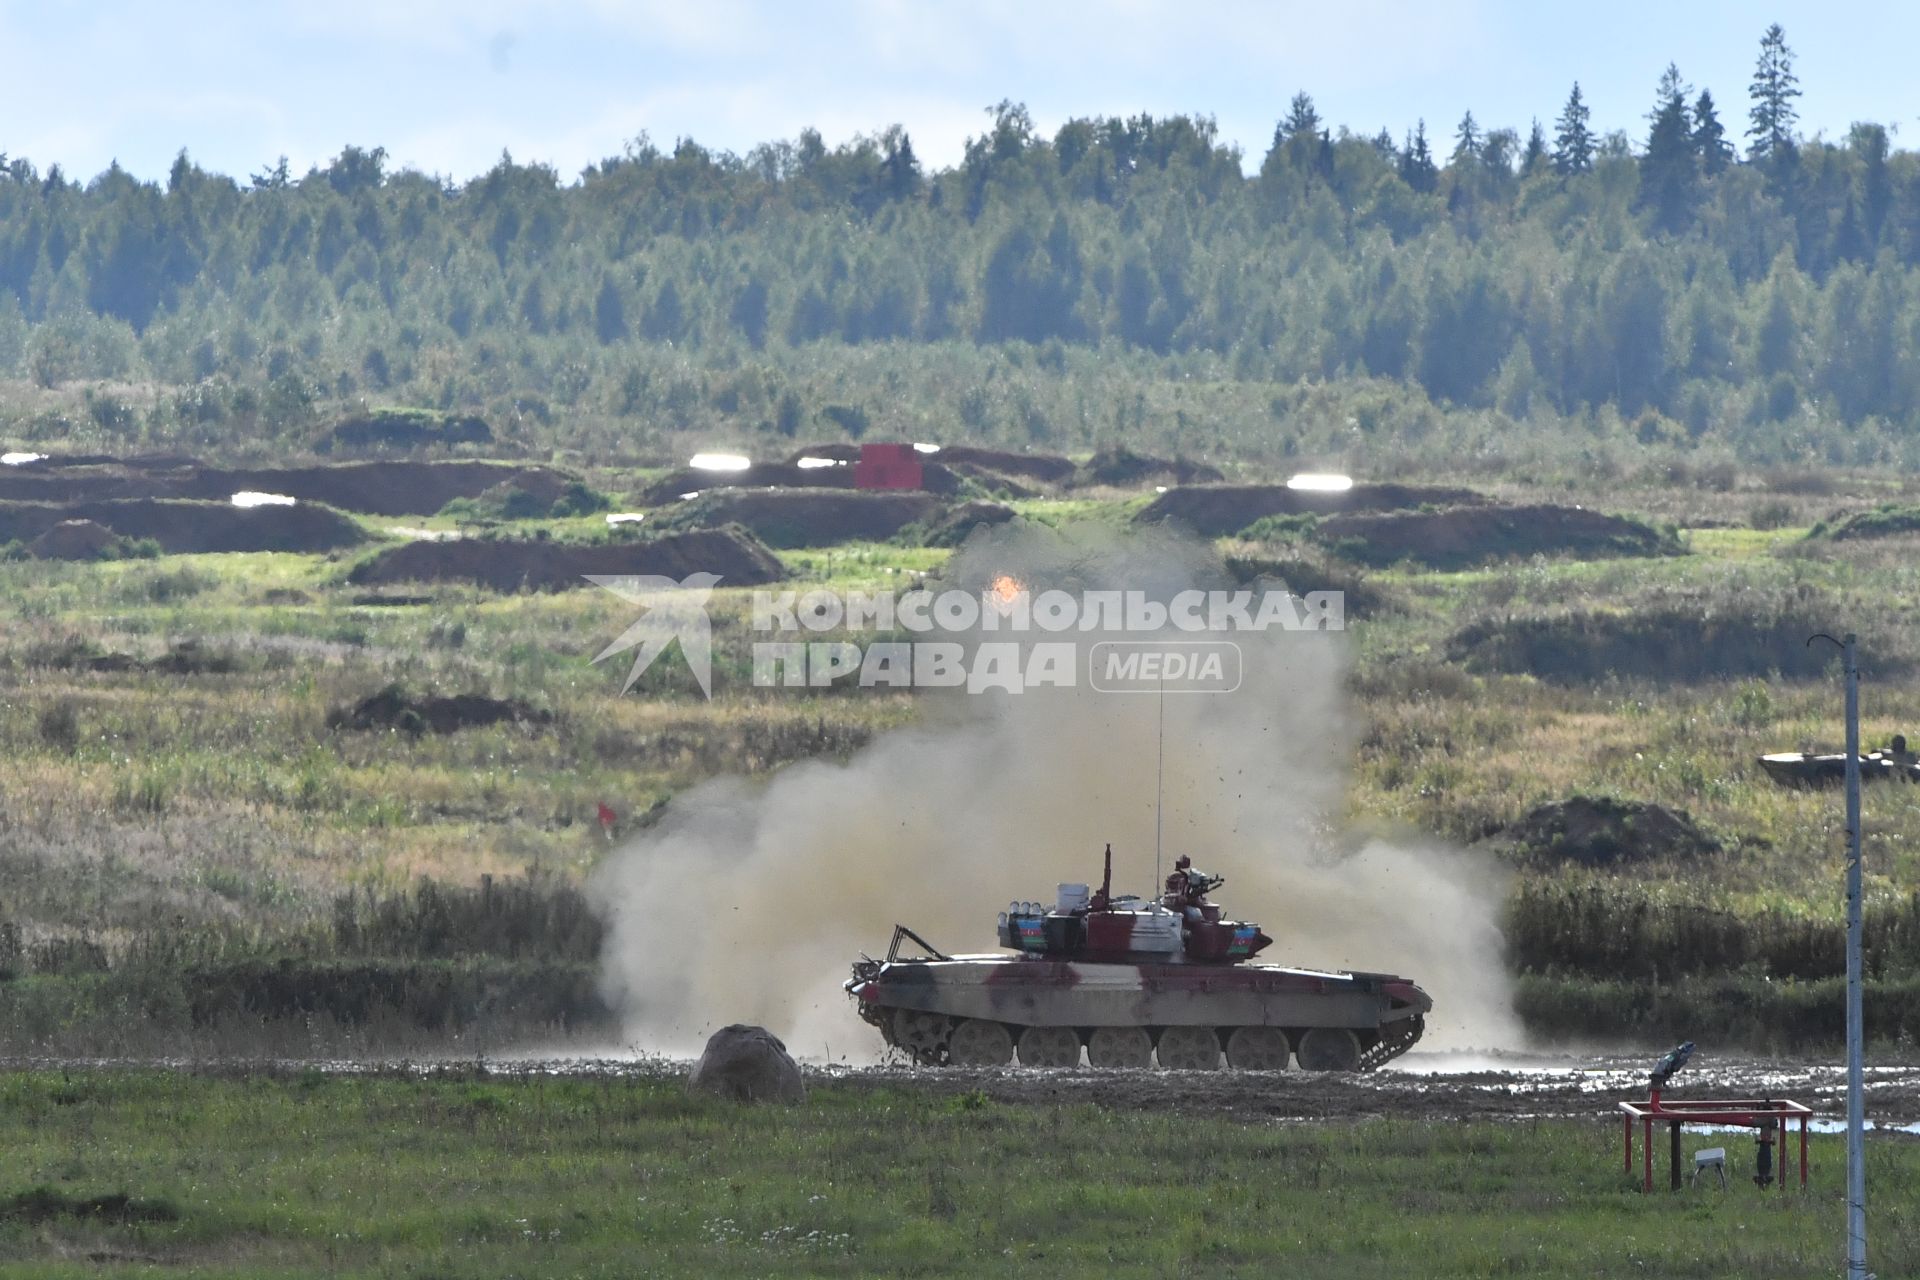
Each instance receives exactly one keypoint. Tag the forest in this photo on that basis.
(1704, 282)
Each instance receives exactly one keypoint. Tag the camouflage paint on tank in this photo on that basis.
(1385, 1012)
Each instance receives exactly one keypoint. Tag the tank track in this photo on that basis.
(878, 1017)
(1395, 1039)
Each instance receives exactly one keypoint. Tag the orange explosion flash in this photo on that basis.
(1005, 590)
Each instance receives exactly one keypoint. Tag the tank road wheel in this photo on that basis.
(1329, 1049)
(1189, 1049)
(920, 1034)
(1049, 1047)
(975, 1042)
(1120, 1047)
(1257, 1049)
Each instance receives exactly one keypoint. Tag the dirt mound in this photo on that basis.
(1598, 831)
(1011, 474)
(1046, 468)
(1461, 536)
(73, 540)
(393, 709)
(377, 488)
(734, 555)
(1215, 511)
(951, 480)
(934, 478)
(1043, 468)
(183, 658)
(43, 1204)
(542, 486)
(131, 461)
(1688, 640)
(1122, 468)
(183, 528)
(192, 658)
(807, 517)
(673, 486)
(534, 494)
(840, 451)
(957, 525)
(400, 488)
(86, 484)
(404, 429)
(1889, 520)
(1309, 569)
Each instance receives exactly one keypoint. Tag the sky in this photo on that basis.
(446, 86)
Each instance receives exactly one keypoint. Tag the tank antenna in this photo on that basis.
(1159, 778)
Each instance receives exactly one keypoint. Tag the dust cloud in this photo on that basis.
(750, 898)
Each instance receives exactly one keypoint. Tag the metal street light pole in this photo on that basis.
(1856, 1088)
(1856, 1101)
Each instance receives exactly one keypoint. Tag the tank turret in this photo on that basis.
(1180, 926)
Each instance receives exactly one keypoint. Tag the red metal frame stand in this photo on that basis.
(1743, 1112)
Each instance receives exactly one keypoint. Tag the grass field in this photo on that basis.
(477, 1175)
(191, 807)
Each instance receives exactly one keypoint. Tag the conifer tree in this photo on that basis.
(1710, 145)
(1416, 161)
(1467, 141)
(1572, 139)
(1668, 172)
(1536, 158)
(1772, 117)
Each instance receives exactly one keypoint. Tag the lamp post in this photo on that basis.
(1856, 1101)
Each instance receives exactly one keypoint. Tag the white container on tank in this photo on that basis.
(1073, 897)
(1156, 930)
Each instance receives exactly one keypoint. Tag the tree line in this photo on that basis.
(1691, 279)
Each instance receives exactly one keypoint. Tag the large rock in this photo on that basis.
(747, 1064)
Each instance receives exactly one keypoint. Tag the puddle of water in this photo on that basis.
(1819, 1124)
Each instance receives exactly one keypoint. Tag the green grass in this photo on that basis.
(860, 566)
(485, 1175)
(1058, 511)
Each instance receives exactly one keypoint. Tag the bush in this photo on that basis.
(1884, 521)
(172, 585)
(1672, 644)
(131, 549)
(511, 501)
(59, 726)
(1632, 932)
(1775, 513)
(1756, 1013)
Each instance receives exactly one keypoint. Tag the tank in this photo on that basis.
(1132, 982)
(1801, 769)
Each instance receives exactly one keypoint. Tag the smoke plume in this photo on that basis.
(750, 898)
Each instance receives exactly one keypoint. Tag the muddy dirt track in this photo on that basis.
(1433, 1086)
(1420, 1086)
